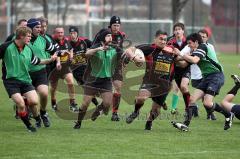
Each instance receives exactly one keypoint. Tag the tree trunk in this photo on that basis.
(177, 6)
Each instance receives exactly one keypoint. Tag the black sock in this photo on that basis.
(234, 90)
(94, 101)
(219, 109)
(42, 112)
(37, 118)
(81, 115)
(24, 118)
(153, 115)
(137, 107)
(186, 97)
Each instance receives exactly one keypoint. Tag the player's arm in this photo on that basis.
(94, 49)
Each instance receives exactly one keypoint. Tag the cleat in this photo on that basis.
(77, 125)
(31, 128)
(45, 120)
(131, 117)
(148, 125)
(115, 117)
(180, 126)
(211, 116)
(228, 121)
(97, 112)
(73, 107)
(55, 107)
(236, 79)
(164, 106)
(38, 123)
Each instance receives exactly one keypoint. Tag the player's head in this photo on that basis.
(22, 22)
(59, 33)
(23, 34)
(44, 24)
(115, 23)
(73, 33)
(105, 36)
(160, 38)
(204, 34)
(194, 40)
(35, 25)
(178, 30)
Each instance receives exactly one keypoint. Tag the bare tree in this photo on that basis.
(177, 6)
(44, 4)
(64, 14)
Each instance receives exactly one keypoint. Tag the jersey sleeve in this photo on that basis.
(201, 51)
(51, 47)
(3, 48)
(146, 49)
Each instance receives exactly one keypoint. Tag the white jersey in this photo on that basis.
(196, 73)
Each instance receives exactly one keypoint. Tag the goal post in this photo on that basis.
(137, 30)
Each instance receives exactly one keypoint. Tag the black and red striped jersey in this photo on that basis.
(159, 64)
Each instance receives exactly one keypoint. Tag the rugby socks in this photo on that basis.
(81, 115)
(137, 107)
(153, 115)
(219, 109)
(24, 117)
(94, 101)
(71, 101)
(234, 90)
(53, 101)
(186, 97)
(37, 118)
(116, 102)
(42, 112)
(174, 101)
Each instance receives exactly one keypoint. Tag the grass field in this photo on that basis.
(106, 139)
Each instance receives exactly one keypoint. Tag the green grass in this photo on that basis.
(106, 139)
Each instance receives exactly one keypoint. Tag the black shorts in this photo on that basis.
(236, 111)
(13, 86)
(180, 73)
(160, 100)
(195, 82)
(157, 89)
(55, 75)
(39, 78)
(78, 73)
(99, 85)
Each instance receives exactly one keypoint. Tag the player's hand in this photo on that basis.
(54, 57)
(176, 52)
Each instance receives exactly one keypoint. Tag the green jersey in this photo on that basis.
(208, 63)
(103, 63)
(42, 48)
(17, 64)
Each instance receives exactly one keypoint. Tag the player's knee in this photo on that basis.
(208, 103)
(184, 89)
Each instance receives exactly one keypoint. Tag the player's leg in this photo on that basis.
(71, 91)
(143, 94)
(175, 97)
(117, 84)
(82, 110)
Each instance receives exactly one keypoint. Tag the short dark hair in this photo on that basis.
(181, 25)
(160, 32)
(20, 21)
(195, 37)
(204, 31)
